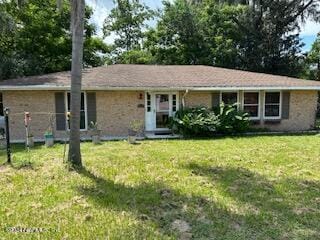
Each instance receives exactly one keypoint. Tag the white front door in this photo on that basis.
(160, 106)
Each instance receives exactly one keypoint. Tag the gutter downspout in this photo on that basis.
(183, 98)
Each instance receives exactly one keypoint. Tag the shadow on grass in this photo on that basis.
(154, 203)
(260, 210)
(277, 206)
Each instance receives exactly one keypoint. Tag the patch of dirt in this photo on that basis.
(183, 228)
(165, 193)
(303, 210)
(3, 168)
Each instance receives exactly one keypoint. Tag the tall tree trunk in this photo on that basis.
(77, 24)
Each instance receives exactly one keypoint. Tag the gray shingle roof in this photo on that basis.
(161, 76)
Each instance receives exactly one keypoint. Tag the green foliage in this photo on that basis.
(269, 40)
(222, 33)
(135, 57)
(41, 41)
(260, 36)
(127, 20)
(313, 60)
(232, 120)
(94, 51)
(201, 121)
(195, 122)
(177, 38)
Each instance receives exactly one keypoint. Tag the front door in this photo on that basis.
(159, 108)
(162, 111)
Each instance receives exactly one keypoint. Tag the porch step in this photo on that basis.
(161, 135)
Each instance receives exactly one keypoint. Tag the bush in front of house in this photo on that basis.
(232, 120)
(201, 121)
(198, 121)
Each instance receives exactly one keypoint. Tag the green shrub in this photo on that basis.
(232, 120)
(198, 121)
(201, 121)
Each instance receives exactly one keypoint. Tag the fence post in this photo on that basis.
(6, 114)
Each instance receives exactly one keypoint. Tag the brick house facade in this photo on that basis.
(284, 104)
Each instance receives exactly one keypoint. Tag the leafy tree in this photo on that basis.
(136, 57)
(259, 36)
(270, 43)
(95, 50)
(7, 56)
(222, 34)
(313, 60)
(177, 38)
(127, 21)
(42, 40)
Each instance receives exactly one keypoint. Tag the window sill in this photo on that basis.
(254, 119)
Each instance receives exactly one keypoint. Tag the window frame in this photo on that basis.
(85, 110)
(148, 102)
(1, 105)
(258, 104)
(264, 105)
(231, 91)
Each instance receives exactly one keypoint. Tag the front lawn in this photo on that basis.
(229, 188)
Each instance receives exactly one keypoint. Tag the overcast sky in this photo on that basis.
(102, 7)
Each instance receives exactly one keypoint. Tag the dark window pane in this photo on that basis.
(252, 110)
(148, 102)
(174, 103)
(68, 101)
(272, 110)
(230, 98)
(82, 120)
(251, 98)
(272, 97)
(82, 110)
(82, 101)
(162, 119)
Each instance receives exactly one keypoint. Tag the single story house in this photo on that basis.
(115, 95)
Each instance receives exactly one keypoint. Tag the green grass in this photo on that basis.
(264, 187)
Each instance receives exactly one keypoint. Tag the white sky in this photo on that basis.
(310, 29)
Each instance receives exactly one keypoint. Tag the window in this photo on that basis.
(1, 105)
(272, 105)
(2, 130)
(83, 113)
(174, 103)
(162, 102)
(148, 102)
(229, 97)
(251, 104)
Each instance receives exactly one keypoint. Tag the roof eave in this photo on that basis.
(103, 88)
